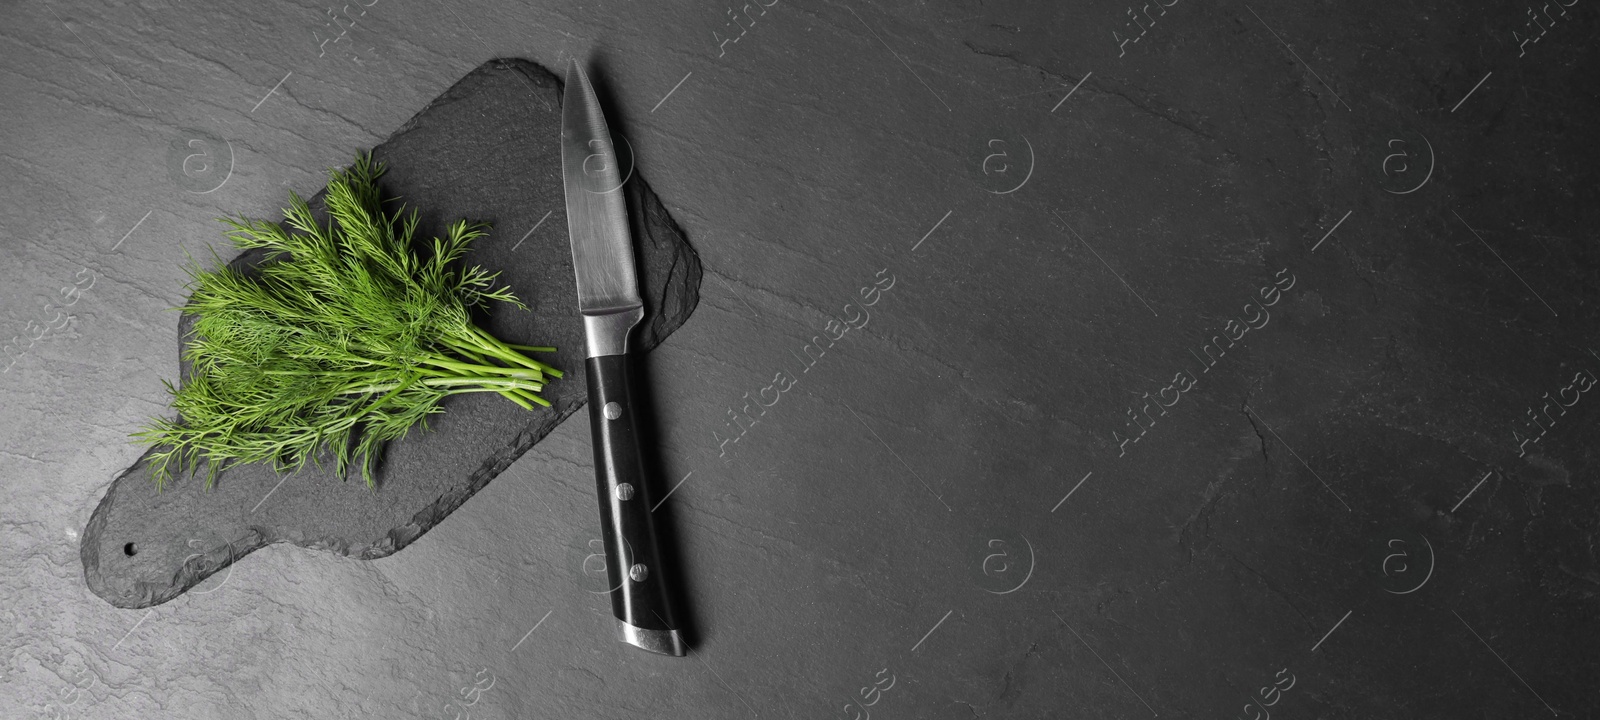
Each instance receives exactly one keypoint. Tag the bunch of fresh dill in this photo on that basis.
(344, 339)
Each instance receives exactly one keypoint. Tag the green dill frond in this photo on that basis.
(345, 338)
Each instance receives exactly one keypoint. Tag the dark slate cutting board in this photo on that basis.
(486, 149)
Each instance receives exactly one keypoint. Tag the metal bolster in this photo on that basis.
(665, 642)
(607, 334)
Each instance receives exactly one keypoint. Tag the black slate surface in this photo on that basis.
(1073, 200)
(487, 149)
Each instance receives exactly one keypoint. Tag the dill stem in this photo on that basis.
(483, 380)
(528, 396)
(451, 370)
(518, 393)
(513, 394)
(471, 350)
(517, 396)
(509, 383)
(390, 395)
(473, 356)
(510, 357)
(530, 348)
(447, 381)
(492, 345)
(534, 375)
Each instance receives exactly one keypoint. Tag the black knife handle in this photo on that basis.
(638, 581)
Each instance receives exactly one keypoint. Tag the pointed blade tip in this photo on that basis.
(597, 218)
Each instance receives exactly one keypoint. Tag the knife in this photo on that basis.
(608, 298)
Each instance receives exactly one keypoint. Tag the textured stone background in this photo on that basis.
(940, 509)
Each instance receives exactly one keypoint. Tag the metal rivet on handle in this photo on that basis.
(613, 411)
(625, 491)
(639, 572)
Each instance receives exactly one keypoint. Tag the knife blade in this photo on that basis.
(609, 301)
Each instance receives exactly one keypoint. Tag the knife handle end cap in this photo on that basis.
(664, 642)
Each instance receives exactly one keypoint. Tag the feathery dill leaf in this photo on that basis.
(345, 338)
